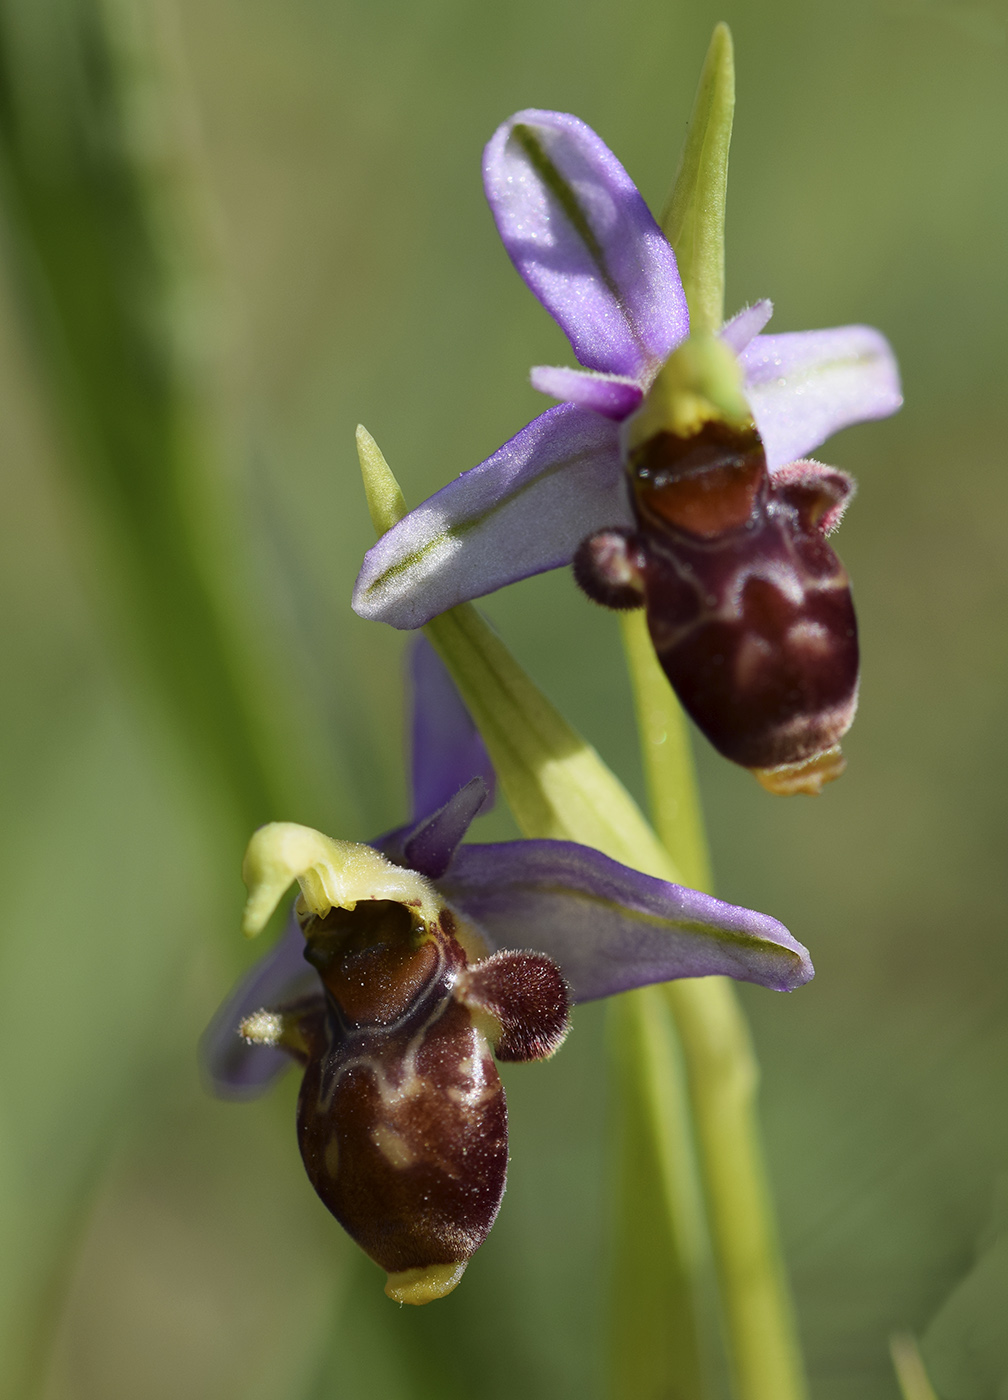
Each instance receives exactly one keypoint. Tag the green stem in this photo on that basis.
(764, 1355)
(721, 1069)
(663, 1302)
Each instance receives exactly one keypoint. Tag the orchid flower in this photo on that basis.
(407, 965)
(599, 479)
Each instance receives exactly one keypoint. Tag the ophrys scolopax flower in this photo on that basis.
(408, 965)
(674, 474)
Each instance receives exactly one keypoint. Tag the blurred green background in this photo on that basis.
(155, 1243)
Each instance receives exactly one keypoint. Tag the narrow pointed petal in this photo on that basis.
(428, 845)
(611, 928)
(234, 1069)
(608, 394)
(584, 241)
(522, 511)
(447, 750)
(745, 324)
(806, 385)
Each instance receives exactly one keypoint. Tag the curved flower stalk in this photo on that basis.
(673, 474)
(408, 965)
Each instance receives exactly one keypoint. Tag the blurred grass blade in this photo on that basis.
(693, 218)
(557, 786)
(909, 1368)
(94, 178)
(966, 1342)
(96, 183)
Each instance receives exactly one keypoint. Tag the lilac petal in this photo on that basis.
(608, 394)
(447, 750)
(523, 510)
(234, 1069)
(806, 385)
(739, 331)
(611, 928)
(428, 845)
(585, 242)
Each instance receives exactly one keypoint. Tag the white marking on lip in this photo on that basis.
(753, 655)
(809, 636)
(393, 1147)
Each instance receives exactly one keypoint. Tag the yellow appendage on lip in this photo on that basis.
(419, 1286)
(331, 874)
(809, 776)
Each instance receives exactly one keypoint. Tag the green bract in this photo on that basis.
(693, 218)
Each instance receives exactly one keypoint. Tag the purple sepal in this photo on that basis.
(428, 845)
(585, 242)
(806, 385)
(607, 394)
(447, 750)
(232, 1068)
(745, 324)
(522, 511)
(611, 928)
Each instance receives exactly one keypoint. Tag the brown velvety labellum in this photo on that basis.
(402, 1121)
(748, 607)
(405, 1140)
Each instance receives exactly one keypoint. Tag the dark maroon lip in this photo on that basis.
(402, 1120)
(748, 606)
